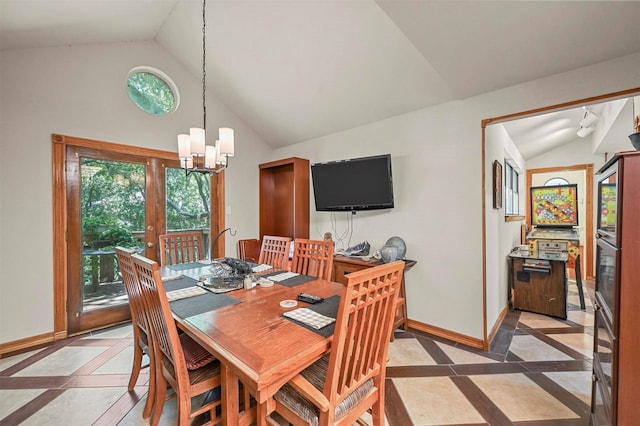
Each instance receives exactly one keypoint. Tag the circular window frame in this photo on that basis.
(164, 77)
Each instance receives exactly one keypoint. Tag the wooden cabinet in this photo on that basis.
(343, 265)
(542, 290)
(284, 198)
(616, 354)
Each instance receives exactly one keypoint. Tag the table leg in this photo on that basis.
(263, 412)
(230, 402)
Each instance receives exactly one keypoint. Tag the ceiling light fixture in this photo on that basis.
(193, 151)
(587, 124)
(585, 131)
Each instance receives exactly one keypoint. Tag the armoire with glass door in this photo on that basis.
(616, 357)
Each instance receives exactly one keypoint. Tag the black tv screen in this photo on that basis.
(354, 184)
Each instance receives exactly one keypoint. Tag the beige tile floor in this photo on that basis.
(534, 373)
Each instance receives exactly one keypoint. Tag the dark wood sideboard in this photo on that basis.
(343, 265)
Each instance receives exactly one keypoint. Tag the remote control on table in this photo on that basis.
(309, 298)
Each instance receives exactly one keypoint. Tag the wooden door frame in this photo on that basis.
(489, 335)
(60, 245)
(588, 170)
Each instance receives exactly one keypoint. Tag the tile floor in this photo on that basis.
(538, 372)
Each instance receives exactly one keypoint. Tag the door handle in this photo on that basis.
(150, 244)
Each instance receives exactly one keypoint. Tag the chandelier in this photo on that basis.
(195, 155)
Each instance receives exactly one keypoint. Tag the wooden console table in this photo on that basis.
(343, 265)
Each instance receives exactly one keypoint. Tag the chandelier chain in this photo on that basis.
(204, 63)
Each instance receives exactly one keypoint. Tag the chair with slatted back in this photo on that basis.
(350, 380)
(181, 247)
(180, 361)
(313, 257)
(249, 249)
(275, 251)
(141, 333)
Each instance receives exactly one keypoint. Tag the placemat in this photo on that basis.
(178, 283)
(329, 308)
(192, 306)
(185, 293)
(309, 317)
(293, 281)
(185, 266)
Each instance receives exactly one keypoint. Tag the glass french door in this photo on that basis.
(117, 199)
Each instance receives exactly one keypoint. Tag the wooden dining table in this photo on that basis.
(255, 344)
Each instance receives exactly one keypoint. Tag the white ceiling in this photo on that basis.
(296, 70)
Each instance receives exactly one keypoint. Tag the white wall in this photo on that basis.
(436, 154)
(501, 236)
(81, 91)
(436, 163)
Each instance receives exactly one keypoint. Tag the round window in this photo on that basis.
(556, 181)
(152, 90)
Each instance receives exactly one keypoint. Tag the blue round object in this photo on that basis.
(399, 244)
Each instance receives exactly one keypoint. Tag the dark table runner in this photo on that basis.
(192, 306)
(293, 281)
(179, 283)
(328, 307)
(185, 266)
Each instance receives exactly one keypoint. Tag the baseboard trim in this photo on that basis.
(17, 346)
(446, 334)
(496, 327)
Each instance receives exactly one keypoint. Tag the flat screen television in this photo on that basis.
(554, 205)
(355, 184)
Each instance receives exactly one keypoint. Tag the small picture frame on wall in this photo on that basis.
(497, 185)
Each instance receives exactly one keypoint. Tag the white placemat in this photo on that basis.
(183, 293)
(309, 317)
(261, 268)
(283, 276)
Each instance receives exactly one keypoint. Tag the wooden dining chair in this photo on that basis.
(313, 257)
(249, 249)
(141, 332)
(275, 251)
(180, 362)
(181, 247)
(350, 380)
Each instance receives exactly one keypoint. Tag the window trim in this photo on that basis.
(509, 180)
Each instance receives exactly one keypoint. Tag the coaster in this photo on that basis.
(263, 282)
(288, 304)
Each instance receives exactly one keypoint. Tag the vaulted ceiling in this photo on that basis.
(296, 70)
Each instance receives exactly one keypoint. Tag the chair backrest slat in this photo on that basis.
(313, 257)
(363, 330)
(132, 288)
(161, 322)
(181, 247)
(275, 251)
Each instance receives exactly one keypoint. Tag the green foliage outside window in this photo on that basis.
(113, 206)
(150, 93)
(188, 200)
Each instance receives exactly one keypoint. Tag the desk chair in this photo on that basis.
(275, 251)
(249, 249)
(181, 247)
(179, 361)
(350, 380)
(313, 257)
(141, 331)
